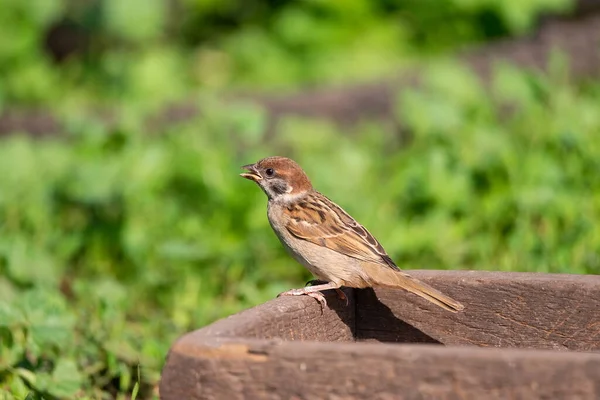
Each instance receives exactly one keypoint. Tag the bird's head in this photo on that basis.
(278, 177)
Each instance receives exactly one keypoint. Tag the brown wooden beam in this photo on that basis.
(271, 351)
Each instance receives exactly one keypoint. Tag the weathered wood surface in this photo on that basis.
(289, 318)
(543, 311)
(271, 351)
(221, 369)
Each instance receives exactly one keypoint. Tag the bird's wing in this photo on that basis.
(320, 221)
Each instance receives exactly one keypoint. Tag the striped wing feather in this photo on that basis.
(320, 221)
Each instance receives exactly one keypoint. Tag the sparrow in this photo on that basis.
(325, 239)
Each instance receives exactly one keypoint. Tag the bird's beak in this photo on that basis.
(252, 173)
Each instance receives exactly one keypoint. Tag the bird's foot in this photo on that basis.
(302, 292)
(342, 296)
(340, 292)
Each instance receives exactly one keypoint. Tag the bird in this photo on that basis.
(326, 240)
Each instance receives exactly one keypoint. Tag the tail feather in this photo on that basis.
(388, 277)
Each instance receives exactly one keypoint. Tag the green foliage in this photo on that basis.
(113, 243)
(155, 49)
(516, 193)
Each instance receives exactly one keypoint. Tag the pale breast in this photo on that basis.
(323, 263)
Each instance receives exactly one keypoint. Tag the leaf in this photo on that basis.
(135, 390)
(27, 375)
(49, 321)
(66, 379)
(135, 20)
(10, 315)
(18, 388)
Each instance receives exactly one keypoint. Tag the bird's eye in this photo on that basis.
(269, 171)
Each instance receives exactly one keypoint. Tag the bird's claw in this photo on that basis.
(298, 292)
(342, 296)
(302, 292)
(320, 298)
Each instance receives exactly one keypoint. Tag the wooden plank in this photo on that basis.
(544, 311)
(561, 312)
(260, 369)
(290, 318)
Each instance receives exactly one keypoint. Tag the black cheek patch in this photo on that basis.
(279, 187)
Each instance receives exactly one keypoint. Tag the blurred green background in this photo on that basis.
(115, 240)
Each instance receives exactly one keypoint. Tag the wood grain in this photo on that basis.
(222, 369)
(521, 336)
(543, 311)
(290, 318)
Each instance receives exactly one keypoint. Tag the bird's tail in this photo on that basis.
(388, 277)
